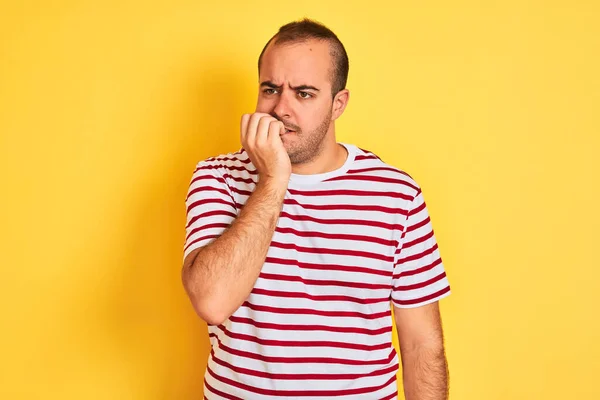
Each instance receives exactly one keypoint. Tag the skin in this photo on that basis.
(295, 93)
(424, 366)
(295, 87)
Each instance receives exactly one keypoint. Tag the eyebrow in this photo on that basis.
(272, 85)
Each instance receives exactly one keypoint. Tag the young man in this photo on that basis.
(296, 245)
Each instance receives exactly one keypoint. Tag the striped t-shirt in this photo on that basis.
(318, 323)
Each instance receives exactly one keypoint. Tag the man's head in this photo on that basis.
(303, 71)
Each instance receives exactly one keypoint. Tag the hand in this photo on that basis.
(260, 136)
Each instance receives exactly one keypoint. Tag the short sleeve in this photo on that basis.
(210, 207)
(419, 276)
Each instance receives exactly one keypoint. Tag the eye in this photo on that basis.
(305, 95)
(269, 91)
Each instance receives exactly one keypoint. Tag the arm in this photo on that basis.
(419, 282)
(424, 365)
(219, 275)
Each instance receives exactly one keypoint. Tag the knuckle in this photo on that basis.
(255, 118)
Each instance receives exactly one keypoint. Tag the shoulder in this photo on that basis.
(235, 168)
(227, 161)
(369, 165)
(234, 163)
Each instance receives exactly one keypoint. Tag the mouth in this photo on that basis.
(289, 131)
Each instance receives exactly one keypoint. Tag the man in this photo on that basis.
(296, 244)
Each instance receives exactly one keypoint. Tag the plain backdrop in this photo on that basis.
(106, 107)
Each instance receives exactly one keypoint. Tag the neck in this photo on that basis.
(331, 157)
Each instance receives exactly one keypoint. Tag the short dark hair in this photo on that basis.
(306, 29)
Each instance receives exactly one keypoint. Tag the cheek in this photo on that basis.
(314, 118)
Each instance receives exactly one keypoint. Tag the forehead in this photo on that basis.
(298, 63)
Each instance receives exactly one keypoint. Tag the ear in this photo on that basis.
(340, 101)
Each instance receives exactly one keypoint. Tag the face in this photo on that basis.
(295, 88)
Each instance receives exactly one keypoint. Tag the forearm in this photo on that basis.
(425, 373)
(224, 272)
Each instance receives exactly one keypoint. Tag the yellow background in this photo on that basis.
(105, 108)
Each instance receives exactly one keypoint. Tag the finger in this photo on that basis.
(262, 130)
(253, 124)
(251, 129)
(275, 131)
(244, 127)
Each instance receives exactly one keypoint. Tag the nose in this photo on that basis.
(283, 107)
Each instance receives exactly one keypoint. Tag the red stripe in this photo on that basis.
(305, 311)
(241, 191)
(326, 328)
(423, 284)
(209, 201)
(418, 270)
(219, 393)
(417, 256)
(323, 282)
(348, 192)
(338, 236)
(372, 178)
(391, 396)
(244, 161)
(341, 221)
(227, 167)
(417, 241)
(207, 188)
(417, 210)
(207, 226)
(323, 250)
(268, 375)
(200, 239)
(391, 169)
(416, 226)
(212, 177)
(303, 344)
(370, 156)
(336, 207)
(326, 267)
(422, 299)
(301, 360)
(302, 295)
(238, 179)
(210, 214)
(299, 393)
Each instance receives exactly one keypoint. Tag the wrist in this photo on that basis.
(274, 182)
(274, 185)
